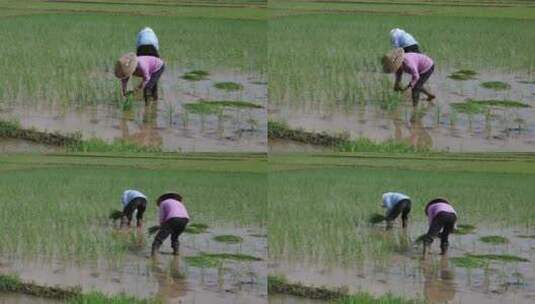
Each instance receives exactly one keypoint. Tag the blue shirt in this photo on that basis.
(401, 39)
(147, 37)
(391, 199)
(130, 195)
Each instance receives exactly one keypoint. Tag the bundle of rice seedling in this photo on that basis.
(420, 238)
(154, 229)
(116, 214)
(376, 218)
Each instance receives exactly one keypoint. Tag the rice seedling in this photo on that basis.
(463, 75)
(116, 214)
(464, 229)
(376, 218)
(499, 257)
(496, 85)
(196, 75)
(228, 239)
(196, 228)
(479, 106)
(469, 262)
(210, 260)
(228, 86)
(153, 229)
(494, 239)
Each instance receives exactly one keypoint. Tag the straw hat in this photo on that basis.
(169, 195)
(393, 60)
(434, 201)
(126, 65)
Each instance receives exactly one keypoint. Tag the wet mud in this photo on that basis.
(436, 279)
(168, 278)
(165, 124)
(434, 125)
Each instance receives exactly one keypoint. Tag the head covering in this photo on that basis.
(169, 195)
(435, 201)
(393, 60)
(126, 65)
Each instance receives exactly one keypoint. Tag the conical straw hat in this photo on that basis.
(126, 65)
(393, 60)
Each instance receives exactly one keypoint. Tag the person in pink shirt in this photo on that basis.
(442, 218)
(419, 66)
(173, 221)
(149, 68)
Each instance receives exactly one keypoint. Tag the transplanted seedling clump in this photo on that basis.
(496, 85)
(210, 260)
(196, 228)
(229, 86)
(465, 229)
(494, 239)
(472, 106)
(229, 239)
(463, 75)
(206, 107)
(196, 75)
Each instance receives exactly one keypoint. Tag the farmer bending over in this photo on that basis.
(395, 204)
(133, 201)
(442, 219)
(147, 43)
(149, 68)
(404, 40)
(173, 220)
(419, 66)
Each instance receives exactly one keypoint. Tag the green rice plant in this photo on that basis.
(196, 75)
(228, 239)
(376, 218)
(463, 75)
(116, 214)
(496, 85)
(228, 86)
(499, 257)
(153, 229)
(196, 228)
(494, 239)
(469, 262)
(464, 229)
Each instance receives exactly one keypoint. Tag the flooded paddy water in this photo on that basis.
(172, 279)
(438, 125)
(168, 124)
(437, 279)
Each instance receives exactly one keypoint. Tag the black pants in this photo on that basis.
(139, 204)
(404, 208)
(147, 50)
(412, 49)
(420, 84)
(174, 227)
(152, 86)
(442, 225)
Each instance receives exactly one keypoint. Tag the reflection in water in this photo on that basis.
(172, 283)
(147, 134)
(439, 284)
(418, 136)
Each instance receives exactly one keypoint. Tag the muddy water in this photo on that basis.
(437, 280)
(432, 125)
(284, 299)
(168, 278)
(13, 298)
(165, 124)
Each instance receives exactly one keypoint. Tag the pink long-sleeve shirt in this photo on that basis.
(414, 64)
(146, 66)
(171, 208)
(436, 208)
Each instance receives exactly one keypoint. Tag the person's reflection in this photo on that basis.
(439, 286)
(172, 283)
(148, 134)
(418, 137)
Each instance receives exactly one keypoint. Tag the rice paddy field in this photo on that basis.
(56, 231)
(325, 74)
(59, 60)
(320, 235)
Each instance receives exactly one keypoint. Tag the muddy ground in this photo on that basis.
(434, 125)
(165, 124)
(437, 279)
(169, 278)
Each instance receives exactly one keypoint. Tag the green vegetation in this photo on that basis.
(234, 257)
(339, 142)
(210, 260)
(205, 107)
(279, 284)
(469, 262)
(499, 257)
(496, 85)
(228, 86)
(491, 189)
(480, 106)
(494, 239)
(196, 228)
(71, 194)
(465, 229)
(463, 75)
(196, 75)
(229, 239)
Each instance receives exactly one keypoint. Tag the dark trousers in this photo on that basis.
(174, 227)
(442, 225)
(139, 204)
(152, 86)
(419, 85)
(404, 208)
(147, 50)
(412, 49)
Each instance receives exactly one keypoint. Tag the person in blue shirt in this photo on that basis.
(133, 201)
(404, 40)
(147, 43)
(395, 204)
